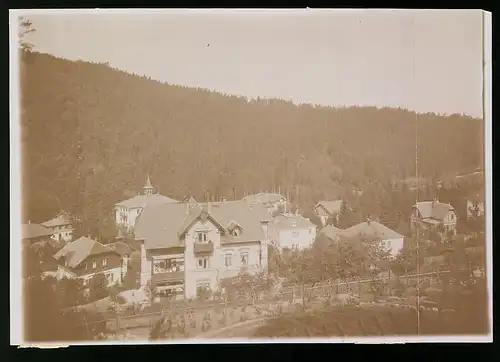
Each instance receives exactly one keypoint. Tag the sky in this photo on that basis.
(427, 61)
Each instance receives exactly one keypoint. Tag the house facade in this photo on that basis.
(62, 228)
(190, 246)
(328, 210)
(273, 202)
(433, 215)
(127, 211)
(475, 205)
(292, 231)
(84, 258)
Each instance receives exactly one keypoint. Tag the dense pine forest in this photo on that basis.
(90, 134)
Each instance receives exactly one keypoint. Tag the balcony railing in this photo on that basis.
(203, 248)
(174, 276)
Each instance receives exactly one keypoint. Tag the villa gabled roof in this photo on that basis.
(141, 201)
(32, 231)
(333, 206)
(76, 252)
(163, 225)
(331, 231)
(264, 198)
(120, 247)
(59, 220)
(433, 209)
(372, 229)
(291, 221)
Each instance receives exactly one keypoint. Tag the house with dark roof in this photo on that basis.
(433, 215)
(327, 210)
(373, 231)
(61, 225)
(84, 258)
(189, 246)
(272, 201)
(127, 211)
(292, 231)
(32, 234)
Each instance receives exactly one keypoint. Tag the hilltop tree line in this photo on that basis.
(90, 134)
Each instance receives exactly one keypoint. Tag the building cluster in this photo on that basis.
(187, 245)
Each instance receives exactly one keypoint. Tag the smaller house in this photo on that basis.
(433, 215)
(373, 230)
(328, 210)
(84, 258)
(273, 202)
(127, 211)
(475, 205)
(61, 225)
(33, 234)
(292, 231)
(125, 252)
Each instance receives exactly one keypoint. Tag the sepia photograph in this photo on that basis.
(250, 176)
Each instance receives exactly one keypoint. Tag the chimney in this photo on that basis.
(187, 208)
(368, 220)
(29, 221)
(265, 226)
(209, 207)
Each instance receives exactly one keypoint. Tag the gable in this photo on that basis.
(201, 220)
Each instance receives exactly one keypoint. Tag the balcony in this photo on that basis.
(204, 248)
(168, 277)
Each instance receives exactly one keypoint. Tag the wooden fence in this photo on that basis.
(292, 294)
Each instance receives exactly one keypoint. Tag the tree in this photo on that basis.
(70, 292)
(98, 287)
(25, 28)
(44, 319)
(96, 167)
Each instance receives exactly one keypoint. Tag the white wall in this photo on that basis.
(193, 274)
(131, 215)
(301, 237)
(394, 245)
(63, 233)
(450, 220)
(253, 251)
(115, 272)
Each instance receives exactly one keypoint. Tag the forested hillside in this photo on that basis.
(90, 134)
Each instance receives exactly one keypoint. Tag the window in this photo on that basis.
(310, 231)
(202, 236)
(236, 232)
(228, 260)
(202, 289)
(94, 265)
(202, 263)
(295, 234)
(104, 262)
(244, 258)
(86, 266)
(294, 224)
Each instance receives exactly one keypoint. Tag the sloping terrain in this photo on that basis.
(90, 134)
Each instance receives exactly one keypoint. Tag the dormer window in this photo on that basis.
(94, 265)
(236, 231)
(104, 262)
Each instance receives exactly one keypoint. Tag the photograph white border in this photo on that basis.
(16, 311)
